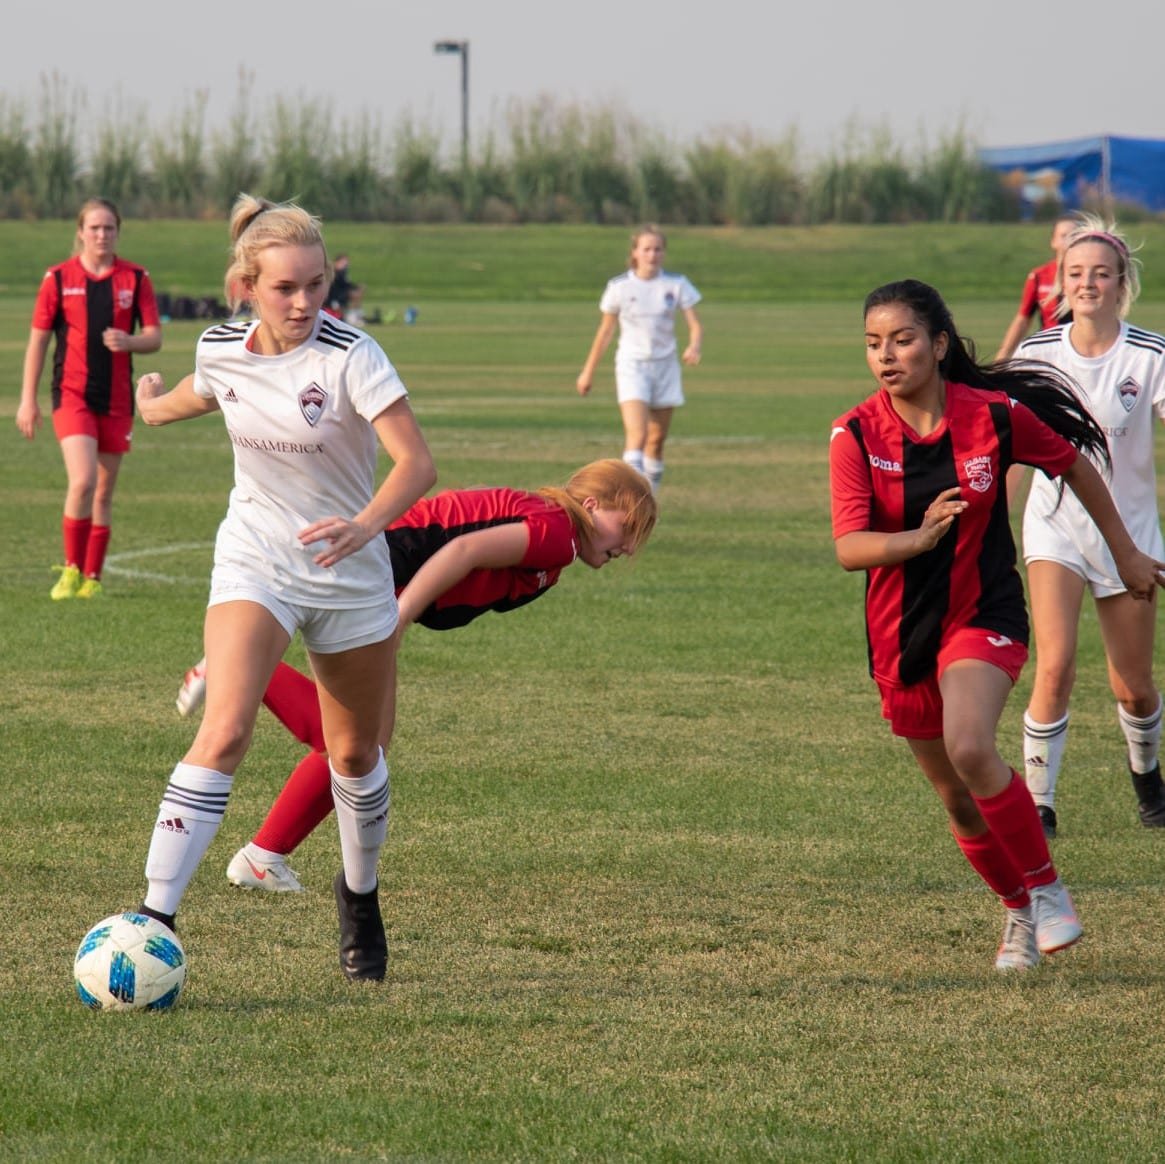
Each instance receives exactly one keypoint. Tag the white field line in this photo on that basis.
(113, 563)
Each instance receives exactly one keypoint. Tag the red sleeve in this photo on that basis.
(1029, 302)
(849, 483)
(44, 314)
(552, 539)
(148, 303)
(1034, 443)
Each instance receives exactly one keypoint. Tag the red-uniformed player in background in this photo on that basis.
(93, 303)
(455, 556)
(918, 480)
(1039, 299)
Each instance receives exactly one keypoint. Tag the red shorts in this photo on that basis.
(112, 433)
(916, 712)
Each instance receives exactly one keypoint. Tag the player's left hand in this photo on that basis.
(1142, 575)
(115, 339)
(691, 356)
(344, 537)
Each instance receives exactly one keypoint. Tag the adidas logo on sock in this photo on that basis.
(173, 825)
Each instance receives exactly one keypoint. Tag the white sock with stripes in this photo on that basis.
(191, 810)
(1043, 753)
(362, 814)
(1143, 737)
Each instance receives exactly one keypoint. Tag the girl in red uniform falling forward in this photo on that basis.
(455, 556)
(917, 475)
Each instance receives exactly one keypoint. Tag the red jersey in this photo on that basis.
(883, 475)
(1039, 295)
(78, 308)
(435, 521)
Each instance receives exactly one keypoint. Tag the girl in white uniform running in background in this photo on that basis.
(305, 399)
(643, 302)
(1121, 370)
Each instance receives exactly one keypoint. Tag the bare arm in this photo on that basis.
(1012, 337)
(598, 347)
(863, 549)
(157, 406)
(484, 549)
(695, 337)
(149, 339)
(28, 414)
(412, 473)
(1140, 573)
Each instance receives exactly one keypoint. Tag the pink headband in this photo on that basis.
(1103, 236)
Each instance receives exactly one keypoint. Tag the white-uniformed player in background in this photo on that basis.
(305, 399)
(1121, 370)
(643, 302)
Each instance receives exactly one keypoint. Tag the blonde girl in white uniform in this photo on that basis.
(306, 400)
(642, 302)
(1121, 371)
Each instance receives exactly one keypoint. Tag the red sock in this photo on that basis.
(1011, 816)
(292, 698)
(990, 860)
(306, 800)
(95, 551)
(75, 536)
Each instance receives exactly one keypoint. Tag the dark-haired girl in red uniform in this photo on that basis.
(92, 303)
(455, 556)
(918, 481)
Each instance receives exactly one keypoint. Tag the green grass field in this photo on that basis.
(659, 884)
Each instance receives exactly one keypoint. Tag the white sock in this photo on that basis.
(362, 814)
(191, 810)
(634, 457)
(653, 470)
(1144, 738)
(1043, 753)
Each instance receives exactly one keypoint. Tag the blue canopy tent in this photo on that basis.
(1085, 170)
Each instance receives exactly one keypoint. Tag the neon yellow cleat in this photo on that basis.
(90, 588)
(67, 584)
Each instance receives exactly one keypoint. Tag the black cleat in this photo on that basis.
(1048, 820)
(363, 946)
(1150, 797)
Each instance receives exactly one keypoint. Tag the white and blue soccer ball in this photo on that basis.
(129, 962)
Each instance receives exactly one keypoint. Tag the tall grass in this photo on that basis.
(547, 161)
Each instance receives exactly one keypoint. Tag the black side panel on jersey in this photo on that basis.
(98, 358)
(928, 469)
(1001, 604)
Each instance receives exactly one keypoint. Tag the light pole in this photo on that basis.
(461, 48)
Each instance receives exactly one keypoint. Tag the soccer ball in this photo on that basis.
(129, 962)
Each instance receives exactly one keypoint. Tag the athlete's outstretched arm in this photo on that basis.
(157, 406)
(494, 548)
(865, 548)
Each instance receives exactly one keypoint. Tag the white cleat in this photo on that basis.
(192, 693)
(1057, 926)
(1018, 950)
(272, 876)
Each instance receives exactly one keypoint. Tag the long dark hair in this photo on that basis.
(1045, 390)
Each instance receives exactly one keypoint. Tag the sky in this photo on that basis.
(1007, 73)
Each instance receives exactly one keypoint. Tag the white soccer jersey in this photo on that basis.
(1125, 391)
(304, 450)
(646, 309)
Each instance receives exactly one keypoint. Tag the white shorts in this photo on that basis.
(326, 632)
(1047, 541)
(657, 383)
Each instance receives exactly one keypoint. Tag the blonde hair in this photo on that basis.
(1093, 228)
(86, 206)
(257, 224)
(614, 485)
(638, 233)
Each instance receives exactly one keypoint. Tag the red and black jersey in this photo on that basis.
(78, 308)
(883, 476)
(435, 521)
(1039, 295)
